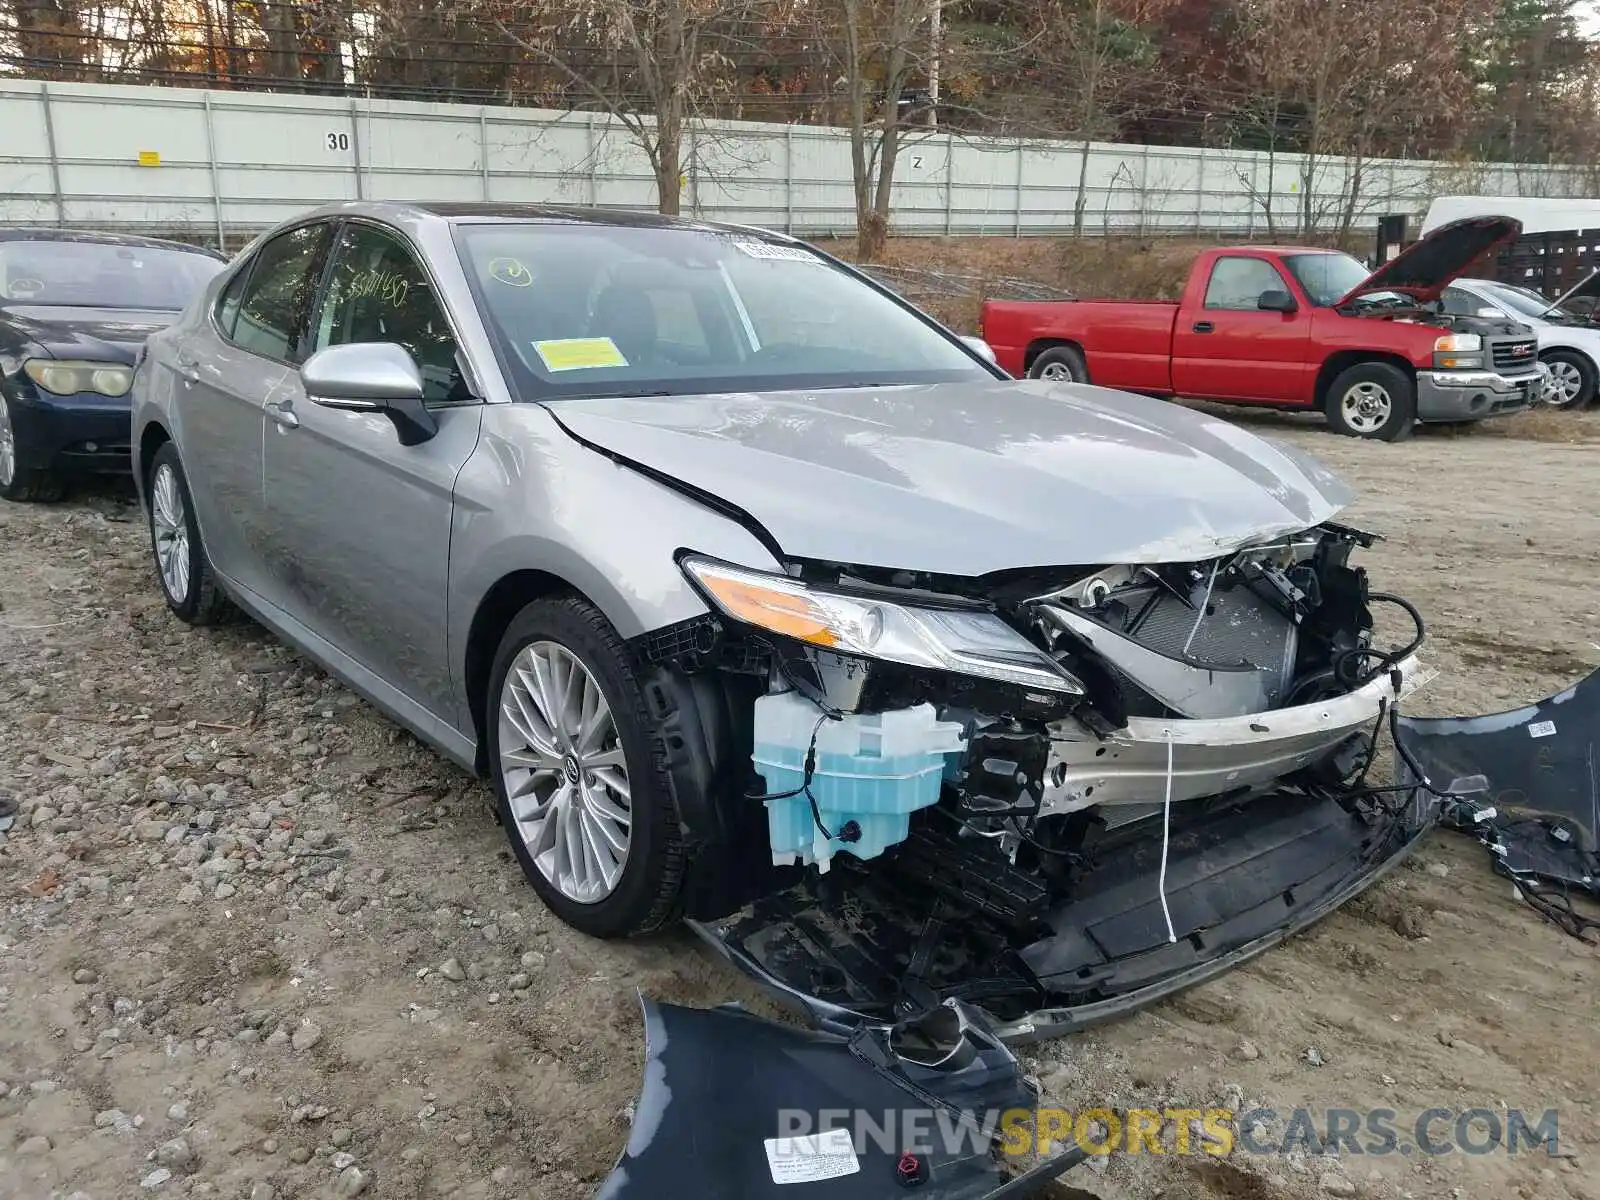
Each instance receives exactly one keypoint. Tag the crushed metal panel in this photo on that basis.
(849, 951)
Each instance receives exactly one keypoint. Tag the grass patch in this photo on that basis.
(1540, 425)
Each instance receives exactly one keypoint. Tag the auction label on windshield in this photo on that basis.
(827, 1155)
(773, 250)
(579, 354)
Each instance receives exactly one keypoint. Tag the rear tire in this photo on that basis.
(182, 566)
(1060, 364)
(580, 773)
(1575, 377)
(20, 483)
(1372, 400)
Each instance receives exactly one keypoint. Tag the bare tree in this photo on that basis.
(880, 46)
(1262, 127)
(51, 37)
(652, 65)
(1351, 87)
(1101, 62)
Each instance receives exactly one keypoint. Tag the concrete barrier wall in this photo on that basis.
(225, 164)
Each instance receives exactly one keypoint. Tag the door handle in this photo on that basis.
(1203, 326)
(283, 414)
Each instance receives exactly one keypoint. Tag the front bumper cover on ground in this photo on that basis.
(724, 1091)
(1528, 785)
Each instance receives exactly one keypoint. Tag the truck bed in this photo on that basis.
(1126, 343)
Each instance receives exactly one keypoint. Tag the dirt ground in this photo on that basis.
(256, 942)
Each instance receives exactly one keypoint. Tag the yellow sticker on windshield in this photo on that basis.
(575, 354)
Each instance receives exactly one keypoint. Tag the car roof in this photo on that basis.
(95, 237)
(1277, 249)
(466, 213)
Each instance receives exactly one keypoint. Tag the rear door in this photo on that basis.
(1229, 349)
(228, 370)
(360, 524)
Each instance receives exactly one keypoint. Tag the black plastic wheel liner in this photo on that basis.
(717, 1083)
(866, 946)
(1529, 781)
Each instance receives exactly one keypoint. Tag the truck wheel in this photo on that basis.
(1062, 364)
(1373, 400)
(1574, 378)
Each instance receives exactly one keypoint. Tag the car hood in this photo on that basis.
(1424, 269)
(92, 334)
(969, 478)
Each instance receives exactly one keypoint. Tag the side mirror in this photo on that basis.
(1276, 301)
(980, 347)
(374, 377)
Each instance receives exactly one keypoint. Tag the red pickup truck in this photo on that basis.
(1296, 328)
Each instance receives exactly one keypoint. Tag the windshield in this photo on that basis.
(102, 275)
(1523, 301)
(1326, 278)
(603, 310)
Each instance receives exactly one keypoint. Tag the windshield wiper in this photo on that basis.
(619, 394)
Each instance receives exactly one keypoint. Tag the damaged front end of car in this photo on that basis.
(1053, 795)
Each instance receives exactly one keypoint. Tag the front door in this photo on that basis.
(228, 371)
(1232, 350)
(362, 523)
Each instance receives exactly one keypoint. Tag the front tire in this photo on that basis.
(182, 566)
(1373, 400)
(1574, 377)
(16, 482)
(579, 773)
(1061, 364)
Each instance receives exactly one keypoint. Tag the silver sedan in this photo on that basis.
(764, 599)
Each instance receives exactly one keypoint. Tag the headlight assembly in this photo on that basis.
(1455, 351)
(67, 378)
(956, 640)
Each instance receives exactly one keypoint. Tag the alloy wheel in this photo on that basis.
(1566, 381)
(1366, 407)
(170, 524)
(565, 772)
(1057, 371)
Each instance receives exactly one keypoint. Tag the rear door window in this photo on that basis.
(228, 305)
(275, 304)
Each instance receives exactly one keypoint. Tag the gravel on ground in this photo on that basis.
(255, 941)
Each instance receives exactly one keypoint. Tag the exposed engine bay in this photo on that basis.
(1052, 794)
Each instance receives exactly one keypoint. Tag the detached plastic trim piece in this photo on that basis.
(722, 1090)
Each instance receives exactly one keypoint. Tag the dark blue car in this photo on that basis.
(75, 308)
